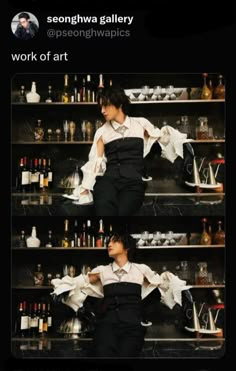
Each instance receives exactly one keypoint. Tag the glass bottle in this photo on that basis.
(50, 174)
(66, 93)
(33, 241)
(22, 96)
(202, 274)
(22, 240)
(100, 241)
(219, 91)
(202, 131)
(33, 96)
(39, 131)
(65, 240)
(219, 237)
(49, 242)
(100, 86)
(184, 272)
(38, 275)
(205, 237)
(49, 98)
(206, 92)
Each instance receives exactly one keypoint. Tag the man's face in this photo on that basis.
(24, 22)
(116, 248)
(110, 112)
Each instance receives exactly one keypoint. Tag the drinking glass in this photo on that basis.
(66, 128)
(72, 128)
(83, 129)
(156, 238)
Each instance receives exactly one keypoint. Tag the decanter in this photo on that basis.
(33, 96)
(219, 91)
(33, 241)
(206, 92)
(205, 237)
(219, 237)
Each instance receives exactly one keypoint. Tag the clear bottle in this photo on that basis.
(33, 241)
(89, 90)
(219, 91)
(49, 318)
(33, 96)
(100, 87)
(205, 236)
(206, 92)
(50, 174)
(219, 237)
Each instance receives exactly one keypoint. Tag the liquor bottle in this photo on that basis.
(83, 236)
(38, 275)
(219, 237)
(88, 90)
(110, 82)
(205, 237)
(66, 92)
(219, 91)
(22, 96)
(108, 235)
(43, 323)
(33, 96)
(39, 132)
(49, 98)
(34, 321)
(75, 96)
(65, 240)
(75, 237)
(50, 174)
(35, 177)
(206, 92)
(49, 318)
(100, 241)
(83, 91)
(23, 176)
(43, 177)
(33, 241)
(100, 86)
(22, 240)
(22, 320)
(89, 234)
(49, 242)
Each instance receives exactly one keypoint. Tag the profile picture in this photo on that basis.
(24, 25)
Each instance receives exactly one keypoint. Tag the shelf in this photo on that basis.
(208, 141)
(53, 142)
(189, 101)
(104, 248)
(32, 287)
(147, 194)
(207, 286)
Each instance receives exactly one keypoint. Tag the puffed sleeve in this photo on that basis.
(170, 140)
(169, 285)
(79, 288)
(96, 164)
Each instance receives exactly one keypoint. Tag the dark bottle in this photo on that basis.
(43, 177)
(75, 95)
(49, 318)
(50, 174)
(83, 91)
(39, 276)
(22, 240)
(43, 322)
(35, 177)
(22, 321)
(34, 321)
(205, 237)
(89, 234)
(219, 91)
(66, 90)
(49, 242)
(108, 235)
(100, 87)
(206, 92)
(100, 241)
(22, 96)
(49, 98)
(83, 236)
(23, 181)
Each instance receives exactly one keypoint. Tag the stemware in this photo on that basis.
(66, 128)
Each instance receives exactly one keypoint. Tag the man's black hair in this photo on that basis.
(24, 15)
(128, 242)
(115, 96)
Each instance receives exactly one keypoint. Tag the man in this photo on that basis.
(115, 170)
(25, 29)
(120, 330)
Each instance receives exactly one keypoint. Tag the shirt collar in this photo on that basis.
(126, 123)
(126, 267)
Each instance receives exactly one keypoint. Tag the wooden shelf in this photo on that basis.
(104, 248)
(207, 141)
(207, 286)
(57, 248)
(55, 104)
(19, 287)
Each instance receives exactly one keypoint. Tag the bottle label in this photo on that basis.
(25, 177)
(34, 322)
(50, 321)
(34, 177)
(50, 176)
(45, 326)
(40, 325)
(24, 323)
(41, 180)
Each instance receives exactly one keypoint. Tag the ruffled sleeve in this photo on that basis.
(169, 285)
(170, 140)
(96, 164)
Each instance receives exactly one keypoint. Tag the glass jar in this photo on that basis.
(201, 275)
(202, 131)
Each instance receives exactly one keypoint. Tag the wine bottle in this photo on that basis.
(88, 90)
(89, 234)
(100, 86)
(43, 177)
(50, 174)
(65, 240)
(75, 96)
(34, 321)
(43, 323)
(22, 321)
(49, 318)
(35, 177)
(23, 176)
(66, 92)
(100, 241)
